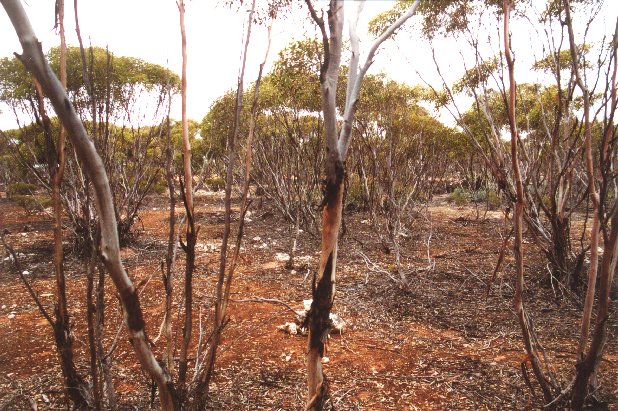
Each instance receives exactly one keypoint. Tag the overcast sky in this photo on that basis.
(149, 29)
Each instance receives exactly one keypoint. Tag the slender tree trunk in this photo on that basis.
(92, 165)
(323, 286)
(337, 144)
(592, 192)
(524, 321)
(170, 258)
(224, 282)
(191, 233)
(289, 264)
(90, 314)
(587, 365)
(75, 385)
(105, 360)
(62, 314)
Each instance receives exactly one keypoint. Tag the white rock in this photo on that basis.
(338, 323)
(25, 272)
(325, 360)
(11, 316)
(256, 239)
(282, 257)
(290, 328)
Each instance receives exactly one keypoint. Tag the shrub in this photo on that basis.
(459, 196)
(21, 189)
(355, 196)
(32, 202)
(479, 196)
(159, 187)
(493, 200)
(215, 183)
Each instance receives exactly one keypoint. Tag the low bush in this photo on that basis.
(461, 196)
(20, 189)
(32, 202)
(215, 183)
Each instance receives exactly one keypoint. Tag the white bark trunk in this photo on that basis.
(35, 62)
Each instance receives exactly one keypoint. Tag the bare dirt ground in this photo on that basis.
(434, 344)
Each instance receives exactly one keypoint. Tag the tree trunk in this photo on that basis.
(35, 62)
(224, 282)
(170, 258)
(524, 321)
(337, 144)
(191, 233)
(587, 364)
(75, 384)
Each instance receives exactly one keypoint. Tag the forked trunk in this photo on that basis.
(337, 144)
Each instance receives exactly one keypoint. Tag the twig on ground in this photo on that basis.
(373, 267)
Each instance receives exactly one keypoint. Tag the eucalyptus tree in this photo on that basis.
(401, 154)
(552, 164)
(35, 62)
(337, 142)
(290, 159)
(124, 115)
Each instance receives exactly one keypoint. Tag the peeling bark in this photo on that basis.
(337, 143)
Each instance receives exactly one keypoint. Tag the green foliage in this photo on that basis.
(32, 202)
(437, 16)
(159, 187)
(265, 10)
(536, 107)
(16, 85)
(460, 196)
(493, 200)
(20, 189)
(560, 61)
(355, 194)
(476, 76)
(295, 79)
(123, 74)
(383, 21)
(215, 183)
(122, 78)
(216, 127)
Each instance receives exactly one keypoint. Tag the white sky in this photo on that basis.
(149, 29)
